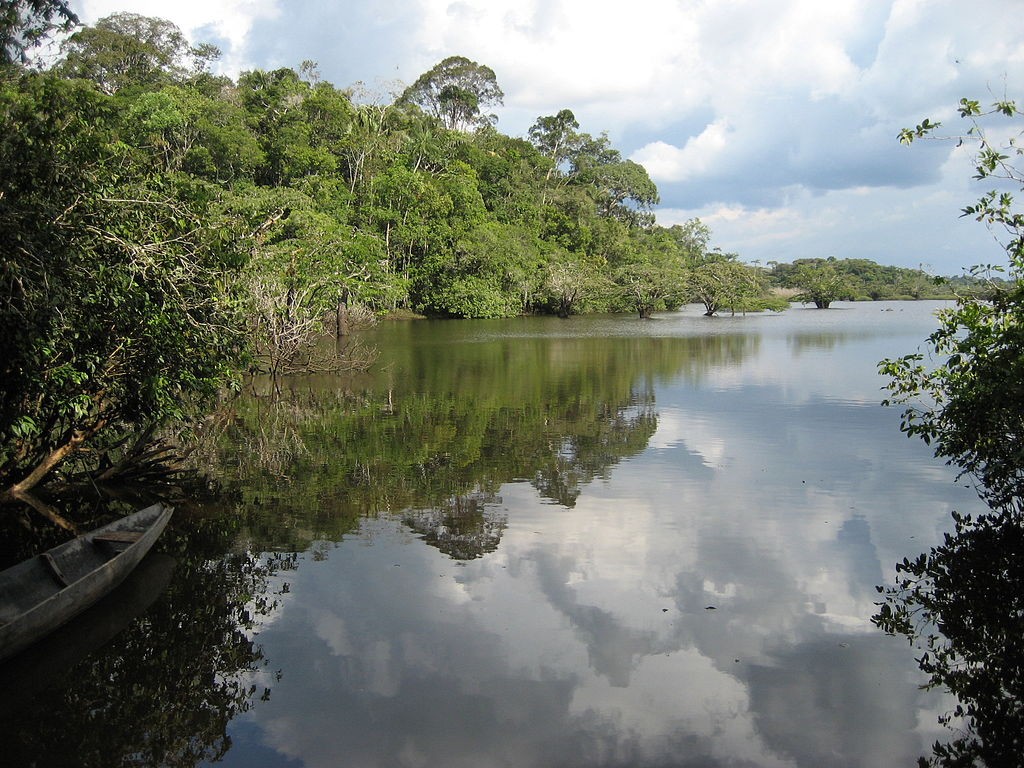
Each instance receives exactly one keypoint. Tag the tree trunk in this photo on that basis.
(46, 511)
(52, 460)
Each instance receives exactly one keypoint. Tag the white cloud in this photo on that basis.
(665, 162)
(575, 51)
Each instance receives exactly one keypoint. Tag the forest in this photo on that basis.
(169, 229)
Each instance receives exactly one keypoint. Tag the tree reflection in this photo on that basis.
(465, 528)
(430, 441)
(163, 690)
(962, 606)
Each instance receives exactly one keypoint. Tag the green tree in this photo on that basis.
(556, 137)
(691, 239)
(510, 171)
(456, 91)
(571, 282)
(970, 403)
(369, 146)
(621, 189)
(116, 312)
(649, 281)
(127, 49)
(820, 284)
(307, 273)
(277, 106)
(223, 150)
(726, 284)
(961, 602)
(492, 271)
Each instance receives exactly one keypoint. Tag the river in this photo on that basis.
(538, 542)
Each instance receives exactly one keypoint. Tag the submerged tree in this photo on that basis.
(820, 284)
(650, 282)
(725, 283)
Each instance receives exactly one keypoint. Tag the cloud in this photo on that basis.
(907, 226)
(566, 52)
(665, 162)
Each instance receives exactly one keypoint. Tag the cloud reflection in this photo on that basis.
(706, 603)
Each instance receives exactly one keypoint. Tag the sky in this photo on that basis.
(773, 121)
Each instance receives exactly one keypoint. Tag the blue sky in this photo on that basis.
(774, 121)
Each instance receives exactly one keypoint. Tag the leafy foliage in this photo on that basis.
(128, 50)
(969, 398)
(866, 279)
(455, 91)
(113, 279)
(961, 602)
(25, 23)
(820, 284)
(727, 284)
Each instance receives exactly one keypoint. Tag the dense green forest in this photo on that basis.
(168, 228)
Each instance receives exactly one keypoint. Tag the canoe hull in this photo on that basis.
(44, 592)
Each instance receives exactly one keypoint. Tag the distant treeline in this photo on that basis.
(866, 280)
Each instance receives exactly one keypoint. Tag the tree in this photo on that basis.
(726, 283)
(691, 239)
(621, 189)
(570, 282)
(25, 23)
(960, 603)
(491, 271)
(116, 312)
(278, 107)
(649, 281)
(455, 91)
(127, 49)
(556, 137)
(971, 404)
(625, 192)
(308, 273)
(819, 283)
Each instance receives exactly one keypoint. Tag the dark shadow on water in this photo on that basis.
(961, 605)
(153, 674)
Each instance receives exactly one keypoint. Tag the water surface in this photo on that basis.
(632, 544)
(593, 542)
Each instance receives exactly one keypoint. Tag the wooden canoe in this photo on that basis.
(40, 594)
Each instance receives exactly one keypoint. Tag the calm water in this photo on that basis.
(534, 542)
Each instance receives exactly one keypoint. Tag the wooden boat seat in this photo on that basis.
(119, 537)
(55, 569)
